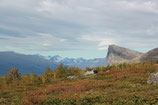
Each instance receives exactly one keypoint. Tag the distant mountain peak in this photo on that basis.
(127, 53)
(117, 55)
(79, 62)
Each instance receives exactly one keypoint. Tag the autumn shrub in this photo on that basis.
(47, 76)
(26, 79)
(73, 71)
(60, 72)
(35, 79)
(13, 75)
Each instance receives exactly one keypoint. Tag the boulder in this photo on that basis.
(153, 78)
(71, 77)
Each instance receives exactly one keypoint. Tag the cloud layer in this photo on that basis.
(56, 25)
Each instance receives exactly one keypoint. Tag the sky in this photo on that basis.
(77, 28)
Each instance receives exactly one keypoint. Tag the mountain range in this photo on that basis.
(38, 64)
(79, 62)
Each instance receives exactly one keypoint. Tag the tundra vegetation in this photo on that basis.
(124, 84)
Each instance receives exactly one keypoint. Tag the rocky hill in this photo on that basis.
(151, 55)
(117, 55)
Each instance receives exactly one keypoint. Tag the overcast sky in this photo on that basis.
(77, 28)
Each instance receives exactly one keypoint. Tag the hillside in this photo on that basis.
(25, 63)
(151, 55)
(123, 85)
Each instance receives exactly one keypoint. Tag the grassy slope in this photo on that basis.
(117, 87)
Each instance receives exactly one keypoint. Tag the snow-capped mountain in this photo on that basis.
(79, 62)
(56, 58)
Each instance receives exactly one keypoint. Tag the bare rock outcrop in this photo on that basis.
(153, 78)
(117, 55)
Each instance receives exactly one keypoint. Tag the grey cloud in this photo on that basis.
(124, 22)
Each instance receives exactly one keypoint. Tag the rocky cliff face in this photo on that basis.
(117, 55)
